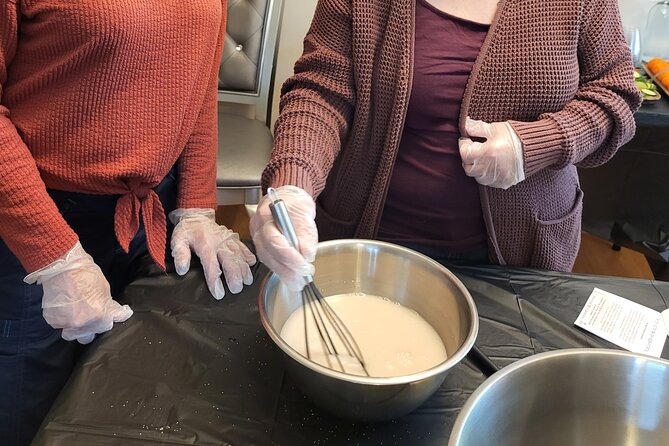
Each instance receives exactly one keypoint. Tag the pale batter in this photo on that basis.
(394, 340)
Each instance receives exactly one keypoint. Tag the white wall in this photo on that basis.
(297, 15)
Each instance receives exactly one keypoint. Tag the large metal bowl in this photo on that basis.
(593, 397)
(382, 269)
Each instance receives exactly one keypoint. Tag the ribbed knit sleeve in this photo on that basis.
(30, 223)
(317, 103)
(197, 163)
(590, 128)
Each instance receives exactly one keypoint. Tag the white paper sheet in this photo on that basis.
(625, 323)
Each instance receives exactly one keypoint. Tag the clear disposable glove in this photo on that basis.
(497, 162)
(273, 248)
(215, 245)
(77, 297)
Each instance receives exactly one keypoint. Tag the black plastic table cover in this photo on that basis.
(187, 369)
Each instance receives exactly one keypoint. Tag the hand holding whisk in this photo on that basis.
(335, 340)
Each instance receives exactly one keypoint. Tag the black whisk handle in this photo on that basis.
(482, 361)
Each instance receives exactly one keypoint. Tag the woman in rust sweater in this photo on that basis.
(453, 127)
(107, 123)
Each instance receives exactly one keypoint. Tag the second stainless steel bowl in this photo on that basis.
(593, 397)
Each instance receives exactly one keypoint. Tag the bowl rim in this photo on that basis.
(442, 367)
(503, 373)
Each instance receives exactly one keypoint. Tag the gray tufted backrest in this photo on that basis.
(247, 65)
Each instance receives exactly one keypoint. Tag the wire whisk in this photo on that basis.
(337, 344)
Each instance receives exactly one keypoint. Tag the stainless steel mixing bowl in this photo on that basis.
(382, 269)
(593, 397)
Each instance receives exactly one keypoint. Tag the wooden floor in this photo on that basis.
(595, 256)
(235, 218)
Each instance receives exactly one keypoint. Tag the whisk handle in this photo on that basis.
(283, 222)
(281, 218)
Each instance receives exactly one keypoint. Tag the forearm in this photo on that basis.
(317, 103)
(599, 119)
(306, 144)
(30, 223)
(197, 163)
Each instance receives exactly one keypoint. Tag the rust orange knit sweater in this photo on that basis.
(104, 97)
(558, 70)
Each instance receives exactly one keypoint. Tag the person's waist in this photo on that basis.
(102, 201)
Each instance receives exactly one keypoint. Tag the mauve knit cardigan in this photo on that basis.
(559, 71)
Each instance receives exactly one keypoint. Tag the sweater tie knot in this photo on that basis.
(141, 200)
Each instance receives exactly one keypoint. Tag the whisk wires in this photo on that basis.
(326, 320)
(328, 324)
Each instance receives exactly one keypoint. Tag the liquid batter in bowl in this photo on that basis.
(394, 340)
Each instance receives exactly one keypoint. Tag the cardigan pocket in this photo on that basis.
(556, 242)
(331, 227)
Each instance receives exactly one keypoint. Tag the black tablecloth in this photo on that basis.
(187, 369)
(626, 199)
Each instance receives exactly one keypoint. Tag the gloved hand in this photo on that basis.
(77, 297)
(497, 162)
(215, 245)
(273, 248)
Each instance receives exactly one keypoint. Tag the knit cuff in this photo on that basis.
(543, 144)
(193, 195)
(59, 243)
(291, 174)
(201, 203)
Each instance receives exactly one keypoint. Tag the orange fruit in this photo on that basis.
(656, 65)
(663, 78)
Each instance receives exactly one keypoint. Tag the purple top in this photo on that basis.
(430, 200)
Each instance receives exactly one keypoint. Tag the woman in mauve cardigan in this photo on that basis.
(558, 72)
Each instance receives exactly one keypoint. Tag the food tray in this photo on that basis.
(654, 78)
